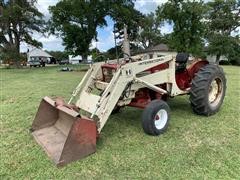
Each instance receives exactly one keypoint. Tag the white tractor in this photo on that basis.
(69, 131)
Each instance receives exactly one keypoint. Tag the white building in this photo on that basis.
(212, 58)
(163, 50)
(74, 59)
(78, 59)
(38, 55)
(157, 51)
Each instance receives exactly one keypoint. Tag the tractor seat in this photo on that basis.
(181, 61)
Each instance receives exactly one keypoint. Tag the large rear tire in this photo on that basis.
(208, 90)
(155, 117)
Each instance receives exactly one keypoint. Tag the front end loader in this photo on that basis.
(69, 131)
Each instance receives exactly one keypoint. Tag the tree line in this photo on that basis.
(199, 28)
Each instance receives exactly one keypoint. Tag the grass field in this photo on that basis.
(194, 147)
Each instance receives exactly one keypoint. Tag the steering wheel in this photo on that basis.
(129, 57)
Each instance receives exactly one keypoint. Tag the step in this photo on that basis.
(101, 85)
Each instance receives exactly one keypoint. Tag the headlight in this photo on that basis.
(105, 71)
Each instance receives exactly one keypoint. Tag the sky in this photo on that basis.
(105, 34)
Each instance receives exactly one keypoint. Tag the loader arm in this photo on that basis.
(81, 85)
(101, 106)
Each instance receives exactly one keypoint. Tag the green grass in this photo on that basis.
(194, 147)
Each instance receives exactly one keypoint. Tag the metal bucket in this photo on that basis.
(62, 133)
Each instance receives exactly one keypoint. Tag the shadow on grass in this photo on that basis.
(121, 125)
(127, 123)
(180, 103)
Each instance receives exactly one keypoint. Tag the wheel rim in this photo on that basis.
(160, 119)
(215, 92)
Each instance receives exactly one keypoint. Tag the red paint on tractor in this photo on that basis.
(142, 98)
(194, 68)
(159, 67)
(111, 66)
(184, 79)
(85, 131)
(63, 134)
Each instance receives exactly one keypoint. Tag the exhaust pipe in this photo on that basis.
(63, 134)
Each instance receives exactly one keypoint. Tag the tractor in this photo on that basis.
(69, 131)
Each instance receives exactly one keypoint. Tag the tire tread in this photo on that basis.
(200, 85)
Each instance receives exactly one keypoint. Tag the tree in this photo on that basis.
(124, 13)
(58, 55)
(18, 20)
(223, 19)
(125, 16)
(96, 55)
(77, 21)
(188, 28)
(111, 53)
(234, 57)
(149, 34)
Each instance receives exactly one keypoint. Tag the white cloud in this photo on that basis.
(51, 42)
(105, 41)
(55, 44)
(147, 6)
(43, 6)
(160, 1)
(166, 28)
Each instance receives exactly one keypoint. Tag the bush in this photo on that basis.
(231, 62)
(236, 62)
(224, 62)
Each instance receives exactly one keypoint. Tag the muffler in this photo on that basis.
(63, 134)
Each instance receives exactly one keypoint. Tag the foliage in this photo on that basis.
(188, 28)
(59, 55)
(234, 57)
(136, 48)
(76, 21)
(149, 34)
(223, 62)
(111, 53)
(100, 58)
(18, 21)
(124, 13)
(223, 19)
(96, 55)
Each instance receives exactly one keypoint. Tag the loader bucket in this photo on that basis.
(62, 133)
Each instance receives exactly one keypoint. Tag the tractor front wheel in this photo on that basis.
(208, 90)
(155, 117)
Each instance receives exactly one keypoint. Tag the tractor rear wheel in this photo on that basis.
(208, 90)
(155, 117)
